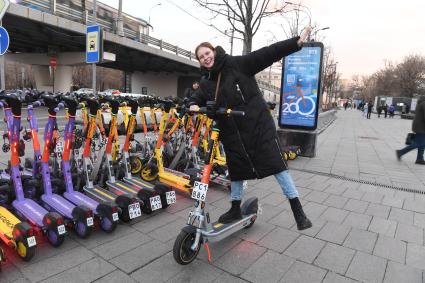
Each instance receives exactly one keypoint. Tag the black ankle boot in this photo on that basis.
(300, 217)
(233, 214)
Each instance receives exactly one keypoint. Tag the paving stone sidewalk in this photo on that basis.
(361, 233)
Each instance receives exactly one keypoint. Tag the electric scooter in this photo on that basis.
(200, 230)
(49, 223)
(16, 234)
(125, 202)
(114, 185)
(80, 217)
(106, 212)
(145, 190)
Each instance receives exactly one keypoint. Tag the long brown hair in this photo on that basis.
(203, 44)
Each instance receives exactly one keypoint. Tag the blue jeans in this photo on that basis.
(418, 143)
(283, 178)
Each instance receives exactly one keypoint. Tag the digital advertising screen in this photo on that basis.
(300, 90)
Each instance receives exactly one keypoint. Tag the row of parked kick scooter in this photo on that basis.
(83, 180)
(39, 198)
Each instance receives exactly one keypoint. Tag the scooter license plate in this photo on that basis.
(31, 241)
(61, 229)
(199, 191)
(59, 147)
(115, 216)
(90, 221)
(171, 197)
(134, 210)
(155, 202)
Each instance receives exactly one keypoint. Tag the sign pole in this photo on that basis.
(94, 64)
(2, 72)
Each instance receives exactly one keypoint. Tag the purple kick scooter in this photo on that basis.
(50, 224)
(106, 212)
(80, 217)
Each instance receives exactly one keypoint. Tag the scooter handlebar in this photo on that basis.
(59, 107)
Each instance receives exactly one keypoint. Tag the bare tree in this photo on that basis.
(410, 75)
(295, 22)
(106, 78)
(244, 16)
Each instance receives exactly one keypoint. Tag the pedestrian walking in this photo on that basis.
(369, 109)
(250, 142)
(418, 127)
(379, 111)
(364, 109)
(385, 110)
(391, 110)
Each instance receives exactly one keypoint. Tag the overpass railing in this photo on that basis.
(78, 15)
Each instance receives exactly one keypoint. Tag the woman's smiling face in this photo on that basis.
(206, 57)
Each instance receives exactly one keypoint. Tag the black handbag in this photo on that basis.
(410, 138)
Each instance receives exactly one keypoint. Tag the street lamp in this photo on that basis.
(313, 37)
(150, 10)
(305, 7)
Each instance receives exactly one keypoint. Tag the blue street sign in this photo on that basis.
(93, 44)
(4, 40)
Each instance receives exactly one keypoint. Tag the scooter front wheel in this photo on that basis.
(25, 252)
(136, 165)
(54, 238)
(82, 230)
(182, 252)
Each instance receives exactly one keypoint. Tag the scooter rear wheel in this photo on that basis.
(25, 252)
(108, 225)
(182, 252)
(54, 238)
(82, 230)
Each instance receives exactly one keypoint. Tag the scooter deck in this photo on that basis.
(170, 179)
(100, 194)
(220, 231)
(31, 211)
(140, 184)
(120, 188)
(7, 222)
(78, 198)
(59, 204)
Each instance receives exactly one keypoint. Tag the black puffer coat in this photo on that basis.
(250, 142)
(418, 125)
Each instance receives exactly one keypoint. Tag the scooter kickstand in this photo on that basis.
(207, 248)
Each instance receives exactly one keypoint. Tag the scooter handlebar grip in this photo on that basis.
(59, 107)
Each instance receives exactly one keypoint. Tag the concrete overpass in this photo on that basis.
(36, 36)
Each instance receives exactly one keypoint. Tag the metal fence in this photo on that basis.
(83, 16)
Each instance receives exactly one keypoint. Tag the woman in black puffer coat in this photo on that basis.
(250, 142)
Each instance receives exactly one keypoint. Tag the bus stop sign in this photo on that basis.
(4, 40)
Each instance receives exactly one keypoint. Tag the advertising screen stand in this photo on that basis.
(300, 98)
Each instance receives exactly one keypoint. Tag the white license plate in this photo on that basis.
(31, 241)
(155, 202)
(199, 191)
(61, 229)
(115, 216)
(59, 147)
(90, 221)
(171, 197)
(134, 210)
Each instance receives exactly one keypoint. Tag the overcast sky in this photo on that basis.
(363, 33)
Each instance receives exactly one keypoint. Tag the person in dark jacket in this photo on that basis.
(385, 110)
(250, 142)
(369, 109)
(418, 127)
(190, 90)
